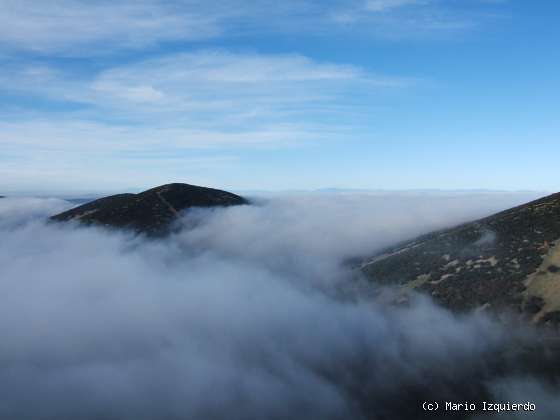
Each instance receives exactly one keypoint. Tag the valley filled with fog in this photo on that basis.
(247, 312)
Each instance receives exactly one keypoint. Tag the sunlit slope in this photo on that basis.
(510, 260)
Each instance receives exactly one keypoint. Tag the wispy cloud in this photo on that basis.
(414, 19)
(211, 91)
(385, 5)
(179, 104)
(78, 27)
(68, 24)
(184, 77)
(216, 79)
(62, 151)
(166, 95)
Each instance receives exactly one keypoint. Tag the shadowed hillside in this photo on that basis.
(151, 211)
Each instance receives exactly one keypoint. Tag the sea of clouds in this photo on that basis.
(249, 312)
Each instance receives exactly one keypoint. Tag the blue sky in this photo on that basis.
(298, 94)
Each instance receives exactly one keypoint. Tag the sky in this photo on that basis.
(279, 95)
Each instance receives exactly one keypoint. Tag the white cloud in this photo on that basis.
(67, 136)
(222, 88)
(386, 5)
(189, 77)
(202, 79)
(19, 211)
(195, 100)
(251, 314)
(413, 19)
(83, 28)
(226, 90)
(139, 93)
(68, 154)
(179, 102)
(69, 24)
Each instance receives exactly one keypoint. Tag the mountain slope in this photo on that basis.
(151, 211)
(509, 260)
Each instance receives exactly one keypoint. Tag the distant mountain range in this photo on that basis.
(150, 212)
(509, 261)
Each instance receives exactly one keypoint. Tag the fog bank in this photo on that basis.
(238, 316)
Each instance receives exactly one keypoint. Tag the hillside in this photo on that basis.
(150, 212)
(510, 261)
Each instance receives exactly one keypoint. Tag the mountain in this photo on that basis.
(150, 212)
(509, 261)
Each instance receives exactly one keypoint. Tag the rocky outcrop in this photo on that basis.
(151, 212)
(510, 260)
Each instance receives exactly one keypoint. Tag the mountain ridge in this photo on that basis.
(152, 211)
(509, 260)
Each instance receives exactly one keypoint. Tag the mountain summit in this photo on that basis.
(151, 211)
(510, 260)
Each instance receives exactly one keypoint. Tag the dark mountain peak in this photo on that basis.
(151, 211)
(510, 260)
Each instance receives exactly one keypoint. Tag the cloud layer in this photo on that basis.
(110, 81)
(175, 105)
(72, 26)
(248, 313)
